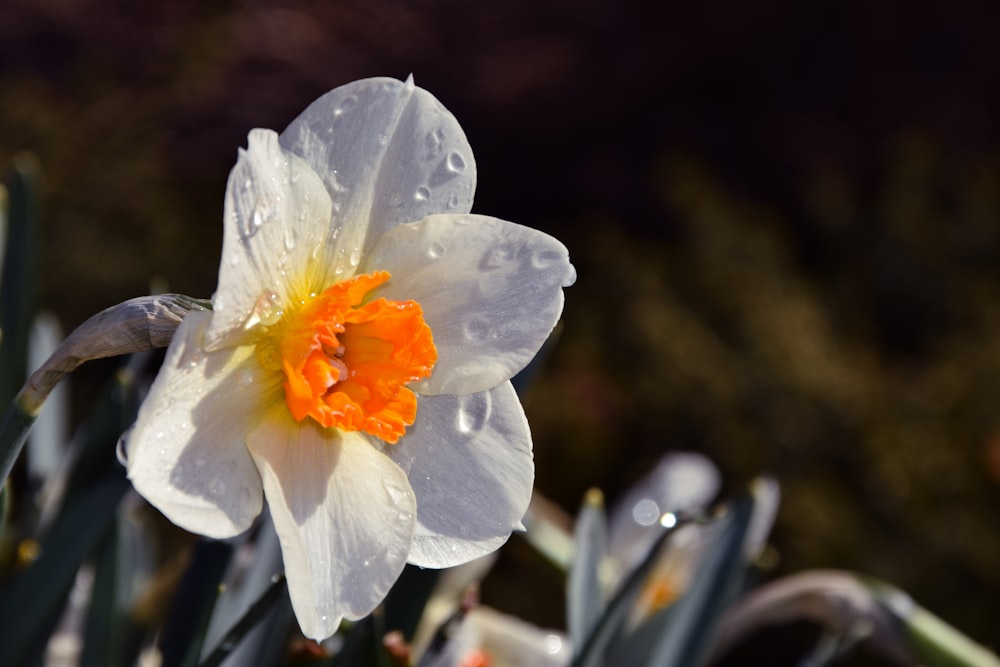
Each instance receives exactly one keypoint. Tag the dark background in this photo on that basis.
(785, 218)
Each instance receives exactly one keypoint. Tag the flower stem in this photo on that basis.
(139, 324)
(13, 433)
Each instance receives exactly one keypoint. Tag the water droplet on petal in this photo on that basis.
(545, 258)
(355, 257)
(423, 193)
(456, 163)
(473, 412)
(289, 238)
(195, 358)
(121, 448)
(346, 105)
(266, 311)
(395, 199)
(453, 201)
(499, 255)
(434, 139)
(244, 377)
(435, 250)
(477, 328)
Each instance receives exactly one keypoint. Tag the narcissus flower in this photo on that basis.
(355, 369)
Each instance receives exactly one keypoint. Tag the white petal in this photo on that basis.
(389, 153)
(186, 452)
(276, 226)
(344, 514)
(470, 465)
(491, 292)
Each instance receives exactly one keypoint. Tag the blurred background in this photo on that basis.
(785, 219)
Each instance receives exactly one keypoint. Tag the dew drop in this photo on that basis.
(121, 448)
(195, 358)
(345, 106)
(395, 199)
(289, 239)
(477, 329)
(434, 139)
(355, 257)
(245, 378)
(423, 193)
(435, 250)
(257, 218)
(570, 277)
(456, 163)
(453, 201)
(500, 255)
(544, 259)
(473, 413)
(267, 310)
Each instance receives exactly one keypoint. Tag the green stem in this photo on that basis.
(13, 434)
(139, 324)
(938, 644)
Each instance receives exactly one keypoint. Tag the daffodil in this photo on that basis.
(355, 369)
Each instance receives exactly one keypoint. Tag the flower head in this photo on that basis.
(354, 371)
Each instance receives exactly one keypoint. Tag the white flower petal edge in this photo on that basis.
(276, 221)
(470, 464)
(489, 289)
(389, 153)
(344, 514)
(185, 453)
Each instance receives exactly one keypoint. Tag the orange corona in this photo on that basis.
(347, 361)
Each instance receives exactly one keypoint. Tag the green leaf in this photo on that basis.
(934, 642)
(31, 602)
(243, 629)
(686, 639)
(263, 606)
(591, 652)
(187, 622)
(584, 593)
(102, 642)
(19, 274)
(406, 601)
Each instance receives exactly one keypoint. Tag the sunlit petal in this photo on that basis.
(491, 292)
(389, 153)
(277, 218)
(186, 453)
(344, 514)
(470, 465)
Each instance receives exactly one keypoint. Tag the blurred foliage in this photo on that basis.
(785, 219)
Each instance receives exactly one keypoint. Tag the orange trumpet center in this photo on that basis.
(347, 361)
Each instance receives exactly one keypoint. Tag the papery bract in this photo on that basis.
(377, 419)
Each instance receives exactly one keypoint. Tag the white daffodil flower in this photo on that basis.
(355, 369)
